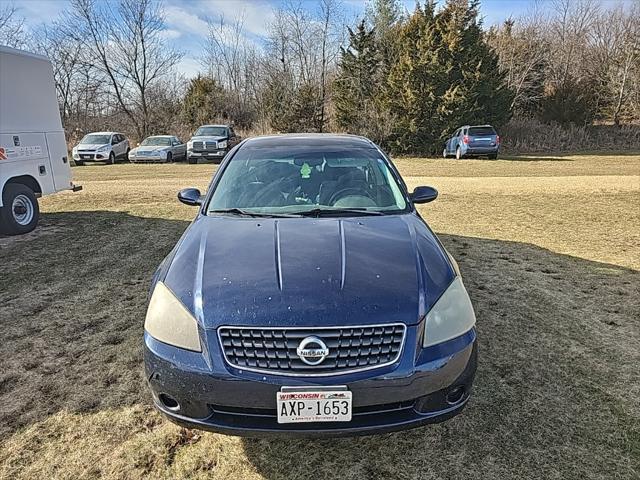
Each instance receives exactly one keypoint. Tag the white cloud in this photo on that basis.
(185, 22)
(39, 11)
(170, 34)
(189, 67)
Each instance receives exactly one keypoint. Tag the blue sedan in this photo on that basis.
(309, 298)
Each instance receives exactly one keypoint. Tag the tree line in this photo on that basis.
(404, 79)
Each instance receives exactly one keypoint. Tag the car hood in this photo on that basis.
(91, 146)
(208, 139)
(308, 272)
(151, 148)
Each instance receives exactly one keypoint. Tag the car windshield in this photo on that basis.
(307, 180)
(211, 132)
(475, 131)
(155, 141)
(93, 139)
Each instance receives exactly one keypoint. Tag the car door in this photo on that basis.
(122, 145)
(114, 144)
(182, 147)
(454, 141)
(233, 138)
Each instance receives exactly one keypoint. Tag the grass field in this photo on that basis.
(549, 249)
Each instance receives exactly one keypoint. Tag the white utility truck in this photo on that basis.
(33, 151)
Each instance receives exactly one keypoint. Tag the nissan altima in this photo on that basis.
(309, 297)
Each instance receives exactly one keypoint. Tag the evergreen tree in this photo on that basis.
(355, 87)
(477, 92)
(417, 82)
(204, 102)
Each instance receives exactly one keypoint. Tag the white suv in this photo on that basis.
(102, 147)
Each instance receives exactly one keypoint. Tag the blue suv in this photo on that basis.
(473, 141)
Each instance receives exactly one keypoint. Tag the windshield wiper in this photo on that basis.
(246, 213)
(328, 212)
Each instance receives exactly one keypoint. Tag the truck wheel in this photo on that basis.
(112, 158)
(20, 212)
(192, 160)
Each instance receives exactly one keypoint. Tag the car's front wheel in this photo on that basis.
(169, 157)
(493, 157)
(192, 160)
(112, 158)
(444, 153)
(20, 211)
(458, 153)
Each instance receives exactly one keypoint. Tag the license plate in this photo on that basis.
(303, 406)
(85, 156)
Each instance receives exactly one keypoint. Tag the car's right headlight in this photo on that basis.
(451, 316)
(169, 321)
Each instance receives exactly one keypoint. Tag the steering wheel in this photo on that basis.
(349, 192)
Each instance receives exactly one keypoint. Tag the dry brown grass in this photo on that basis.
(550, 251)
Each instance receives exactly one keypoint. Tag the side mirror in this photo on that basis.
(424, 195)
(190, 196)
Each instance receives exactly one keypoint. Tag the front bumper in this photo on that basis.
(208, 154)
(220, 398)
(91, 157)
(146, 159)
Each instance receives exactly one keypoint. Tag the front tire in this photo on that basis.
(458, 153)
(493, 157)
(169, 157)
(126, 155)
(192, 160)
(20, 212)
(112, 159)
(444, 153)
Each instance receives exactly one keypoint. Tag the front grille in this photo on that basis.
(205, 146)
(273, 350)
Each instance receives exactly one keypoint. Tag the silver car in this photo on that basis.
(102, 147)
(159, 148)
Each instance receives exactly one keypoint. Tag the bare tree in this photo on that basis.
(125, 45)
(12, 32)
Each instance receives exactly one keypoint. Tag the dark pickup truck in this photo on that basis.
(211, 142)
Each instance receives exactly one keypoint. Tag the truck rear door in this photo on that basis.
(59, 160)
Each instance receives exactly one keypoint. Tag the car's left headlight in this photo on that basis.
(451, 316)
(169, 321)
(222, 144)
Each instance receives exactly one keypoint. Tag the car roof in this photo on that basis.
(103, 133)
(310, 139)
(223, 126)
(160, 136)
(473, 126)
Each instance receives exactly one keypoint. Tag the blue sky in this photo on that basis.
(187, 28)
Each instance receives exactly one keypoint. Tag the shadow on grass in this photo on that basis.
(556, 336)
(558, 347)
(72, 304)
(533, 158)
